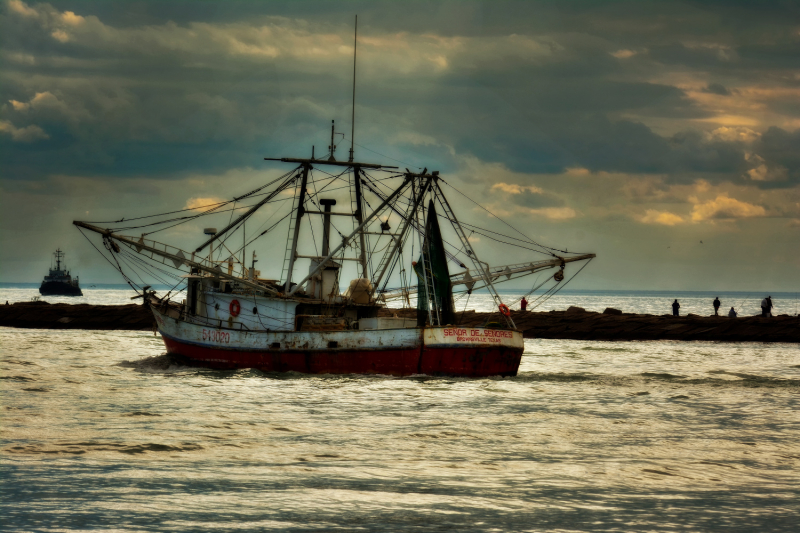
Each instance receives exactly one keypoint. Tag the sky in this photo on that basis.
(662, 136)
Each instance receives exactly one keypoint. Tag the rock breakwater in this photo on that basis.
(574, 323)
(613, 325)
(43, 315)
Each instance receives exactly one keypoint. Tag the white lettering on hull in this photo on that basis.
(488, 337)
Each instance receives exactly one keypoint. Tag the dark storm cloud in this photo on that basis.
(167, 99)
(541, 105)
(781, 149)
(599, 144)
(717, 88)
(536, 199)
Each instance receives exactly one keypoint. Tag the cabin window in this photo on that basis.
(333, 344)
(275, 345)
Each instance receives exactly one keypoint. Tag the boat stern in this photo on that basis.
(471, 351)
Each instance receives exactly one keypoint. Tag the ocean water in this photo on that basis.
(102, 431)
(645, 302)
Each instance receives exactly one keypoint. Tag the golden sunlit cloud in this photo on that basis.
(577, 171)
(201, 204)
(735, 133)
(725, 207)
(20, 8)
(23, 135)
(665, 218)
(554, 213)
(623, 54)
(513, 188)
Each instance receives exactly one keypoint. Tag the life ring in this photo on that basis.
(235, 308)
(504, 310)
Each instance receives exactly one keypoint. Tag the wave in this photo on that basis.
(156, 363)
(80, 448)
(744, 381)
(23, 379)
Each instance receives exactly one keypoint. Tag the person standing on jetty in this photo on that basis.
(766, 306)
(523, 304)
(716, 306)
(675, 307)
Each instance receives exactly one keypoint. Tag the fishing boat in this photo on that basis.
(59, 282)
(330, 307)
(232, 317)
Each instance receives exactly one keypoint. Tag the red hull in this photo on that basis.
(451, 361)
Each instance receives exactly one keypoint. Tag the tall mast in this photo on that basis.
(332, 147)
(300, 212)
(353, 117)
(357, 170)
(359, 216)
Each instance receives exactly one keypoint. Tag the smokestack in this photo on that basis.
(326, 226)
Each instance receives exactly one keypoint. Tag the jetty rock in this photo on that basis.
(43, 315)
(574, 323)
(614, 325)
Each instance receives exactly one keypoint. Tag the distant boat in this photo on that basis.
(59, 282)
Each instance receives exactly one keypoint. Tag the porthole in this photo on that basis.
(255, 310)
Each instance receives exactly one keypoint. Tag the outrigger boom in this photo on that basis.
(178, 259)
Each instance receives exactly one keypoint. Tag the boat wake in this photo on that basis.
(164, 363)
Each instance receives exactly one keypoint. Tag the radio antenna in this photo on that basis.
(353, 117)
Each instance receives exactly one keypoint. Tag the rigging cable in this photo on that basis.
(506, 223)
(562, 285)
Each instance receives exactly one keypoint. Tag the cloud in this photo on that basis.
(539, 101)
(27, 134)
(779, 150)
(762, 172)
(623, 54)
(513, 188)
(202, 204)
(604, 118)
(724, 207)
(19, 106)
(717, 88)
(534, 198)
(664, 218)
(734, 134)
(554, 213)
(20, 8)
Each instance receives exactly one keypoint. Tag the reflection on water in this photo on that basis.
(101, 430)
